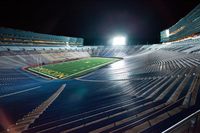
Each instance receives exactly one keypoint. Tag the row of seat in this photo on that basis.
(128, 112)
(142, 92)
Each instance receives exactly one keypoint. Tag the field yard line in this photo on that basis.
(37, 72)
(90, 69)
(70, 61)
(18, 92)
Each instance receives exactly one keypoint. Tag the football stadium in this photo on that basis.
(53, 84)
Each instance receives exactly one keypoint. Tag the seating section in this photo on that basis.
(149, 90)
(13, 59)
(186, 27)
(8, 35)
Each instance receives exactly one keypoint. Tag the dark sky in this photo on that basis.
(95, 20)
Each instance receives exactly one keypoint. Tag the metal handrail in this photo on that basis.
(183, 121)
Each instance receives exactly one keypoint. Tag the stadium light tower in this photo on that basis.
(119, 40)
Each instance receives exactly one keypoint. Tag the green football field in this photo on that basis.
(72, 68)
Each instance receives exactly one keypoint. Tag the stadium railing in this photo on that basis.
(189, 124)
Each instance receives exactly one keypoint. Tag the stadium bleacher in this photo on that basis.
(13, 36)
(151, 88)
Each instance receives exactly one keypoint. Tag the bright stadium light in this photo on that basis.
(167, 33)
(119, 40)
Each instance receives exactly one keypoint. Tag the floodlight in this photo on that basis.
(167, 33)
(119, 40)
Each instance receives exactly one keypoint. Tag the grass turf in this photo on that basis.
(72, 68)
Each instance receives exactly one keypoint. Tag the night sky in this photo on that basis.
(95, 20)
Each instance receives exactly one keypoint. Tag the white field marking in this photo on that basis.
(90, 68)
(18, 92)
(37, 72)
(49, 76)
